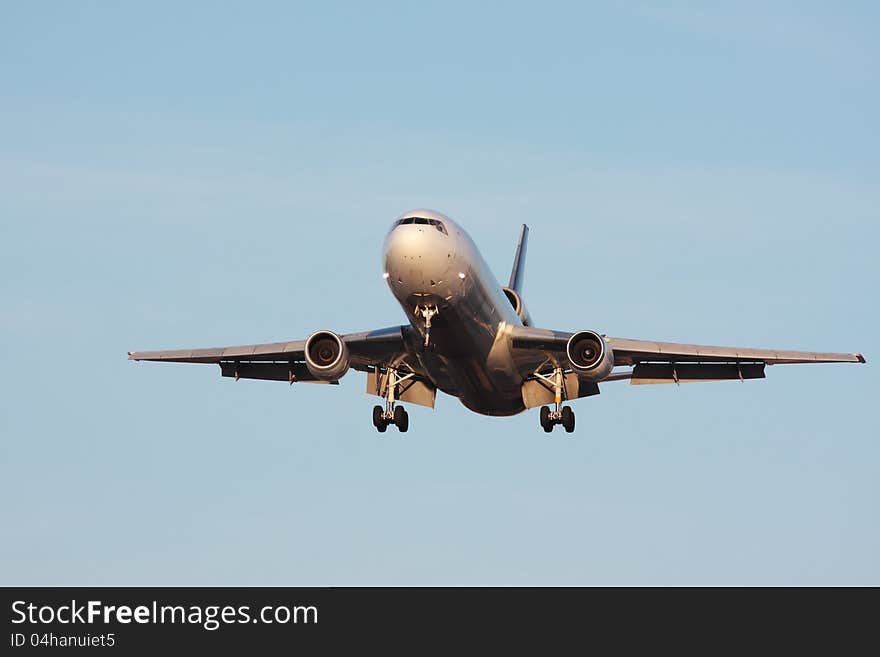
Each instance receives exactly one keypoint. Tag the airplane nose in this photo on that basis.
(404, 242)
(416, 259)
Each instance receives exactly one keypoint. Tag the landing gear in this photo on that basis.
(427, 313)
(401, 419)
(378, 420)
(392, 414)
(561, 414)
(567, 419)
(550, 419)
(546, 422)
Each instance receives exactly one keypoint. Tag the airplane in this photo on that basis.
(473, 339)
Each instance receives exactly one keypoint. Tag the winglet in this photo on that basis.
(519, 260)
(861, 358)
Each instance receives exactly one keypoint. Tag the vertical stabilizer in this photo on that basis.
(519, 261)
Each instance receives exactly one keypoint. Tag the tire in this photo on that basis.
(401, 419)
(377, 416)
(546, 424)
(382, 427)
(567, 419)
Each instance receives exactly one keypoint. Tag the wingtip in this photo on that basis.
(861, 358)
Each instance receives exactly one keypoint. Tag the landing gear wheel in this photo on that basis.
(382, 427)
(546, 422)
(401, 419)
(377, 416)
(567, 419)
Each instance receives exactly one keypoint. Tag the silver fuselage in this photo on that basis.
(473, 339)
(470, 355)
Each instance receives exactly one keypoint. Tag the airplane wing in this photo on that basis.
(285, 361)
(669, 362)
(631, 352)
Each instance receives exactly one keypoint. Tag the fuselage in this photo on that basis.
(431, 262)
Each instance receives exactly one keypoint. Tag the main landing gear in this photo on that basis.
(564, 416)
(392, 414)
(561, 414)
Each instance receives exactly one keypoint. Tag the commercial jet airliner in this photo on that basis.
(473, 339)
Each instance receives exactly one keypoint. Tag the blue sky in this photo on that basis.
(223, 174)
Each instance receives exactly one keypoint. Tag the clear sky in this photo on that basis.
(204, 174)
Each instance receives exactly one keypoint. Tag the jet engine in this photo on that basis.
(590, 356)
(518, 306)
(327, 356)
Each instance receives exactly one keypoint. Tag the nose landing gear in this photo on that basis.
(392, 414)
(561, 414)
(427, 313)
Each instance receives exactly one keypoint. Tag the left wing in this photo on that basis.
(668, 362)
(631, 352)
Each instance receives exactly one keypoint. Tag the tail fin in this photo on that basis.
(519, 261)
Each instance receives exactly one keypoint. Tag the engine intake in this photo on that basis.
(518, 306)
(327, 356)
(590, 356)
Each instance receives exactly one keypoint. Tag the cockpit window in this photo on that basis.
(436, 223)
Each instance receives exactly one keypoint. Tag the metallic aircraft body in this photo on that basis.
(473, 339)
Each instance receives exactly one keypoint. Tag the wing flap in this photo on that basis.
(651, 373)
(290, 372)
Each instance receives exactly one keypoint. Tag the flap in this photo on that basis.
(647, 373)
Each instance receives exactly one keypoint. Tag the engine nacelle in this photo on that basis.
(590, 356)
(518, 306)
(327, 356)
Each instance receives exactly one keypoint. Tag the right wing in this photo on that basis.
(378, 353)
(270, 352)
(285, 361)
